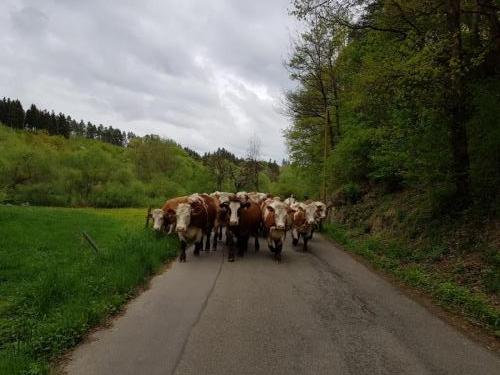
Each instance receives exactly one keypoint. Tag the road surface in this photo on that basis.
(320, 312)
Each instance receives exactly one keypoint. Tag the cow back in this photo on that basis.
(172, 204)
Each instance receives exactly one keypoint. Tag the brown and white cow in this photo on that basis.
(243, 221)
(321, 211)
(275, 216)
(164, 218)
(195, 217)
(223, 202)
(304, 219)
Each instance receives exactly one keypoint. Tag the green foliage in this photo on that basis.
(350, 163)
(53, 287)
(53, 171)
(396, 69)
(294, 180)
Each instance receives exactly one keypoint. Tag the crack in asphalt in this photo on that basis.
(198, 318)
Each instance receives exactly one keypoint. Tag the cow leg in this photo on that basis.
(305, 239)
(230, 244)
(220, 233)
(197, 247)
(279, 247)
(242, 243)
(214, 245)
(257, 245)
(182, 257)
(270, 244)
(312, 231)
(209, 236)
(295, 237)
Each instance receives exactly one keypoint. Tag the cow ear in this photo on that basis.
(246, 204)
(222, 205)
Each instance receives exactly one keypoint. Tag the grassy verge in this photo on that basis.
(54, 287)
(397, 260)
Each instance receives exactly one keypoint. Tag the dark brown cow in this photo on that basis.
(243, 221)
(195, 217)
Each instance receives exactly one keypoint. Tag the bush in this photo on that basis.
(54, 171)
(350, 161)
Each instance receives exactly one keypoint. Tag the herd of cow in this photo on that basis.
(243, 215)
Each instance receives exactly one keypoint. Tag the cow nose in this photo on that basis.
(281, 227)
(233, 223)
(181, 229)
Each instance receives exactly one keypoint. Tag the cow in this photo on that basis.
(290, 200)
(321, 211)
(243, 220)
(275, 222)
(164, 218)
(304, 219)
(257, 197)
(223, 202)
(194, 218)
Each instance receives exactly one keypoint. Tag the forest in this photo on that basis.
(395, 95)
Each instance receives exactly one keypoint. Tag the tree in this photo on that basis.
(312, 64)
(252, 160)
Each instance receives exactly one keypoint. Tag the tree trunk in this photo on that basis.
(456, 105)
(337, 109)
(326, 147)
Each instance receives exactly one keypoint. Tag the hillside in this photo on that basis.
(37, 168)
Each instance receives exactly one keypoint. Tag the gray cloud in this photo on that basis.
(206, 73)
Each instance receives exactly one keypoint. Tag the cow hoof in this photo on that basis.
(295, 241)
(182, 259)
(231, 259)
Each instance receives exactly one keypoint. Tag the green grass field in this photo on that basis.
(54, 286)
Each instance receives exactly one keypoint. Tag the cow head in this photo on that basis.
(320, 210)
(310, 213)
(186, 211)
(183, 217)
(234, 207)
(280, 211)
(158, 217)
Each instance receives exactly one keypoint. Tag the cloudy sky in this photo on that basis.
(205, 73)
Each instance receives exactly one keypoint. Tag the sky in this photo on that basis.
(206, 74)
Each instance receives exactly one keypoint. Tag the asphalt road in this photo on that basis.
(320, 312)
